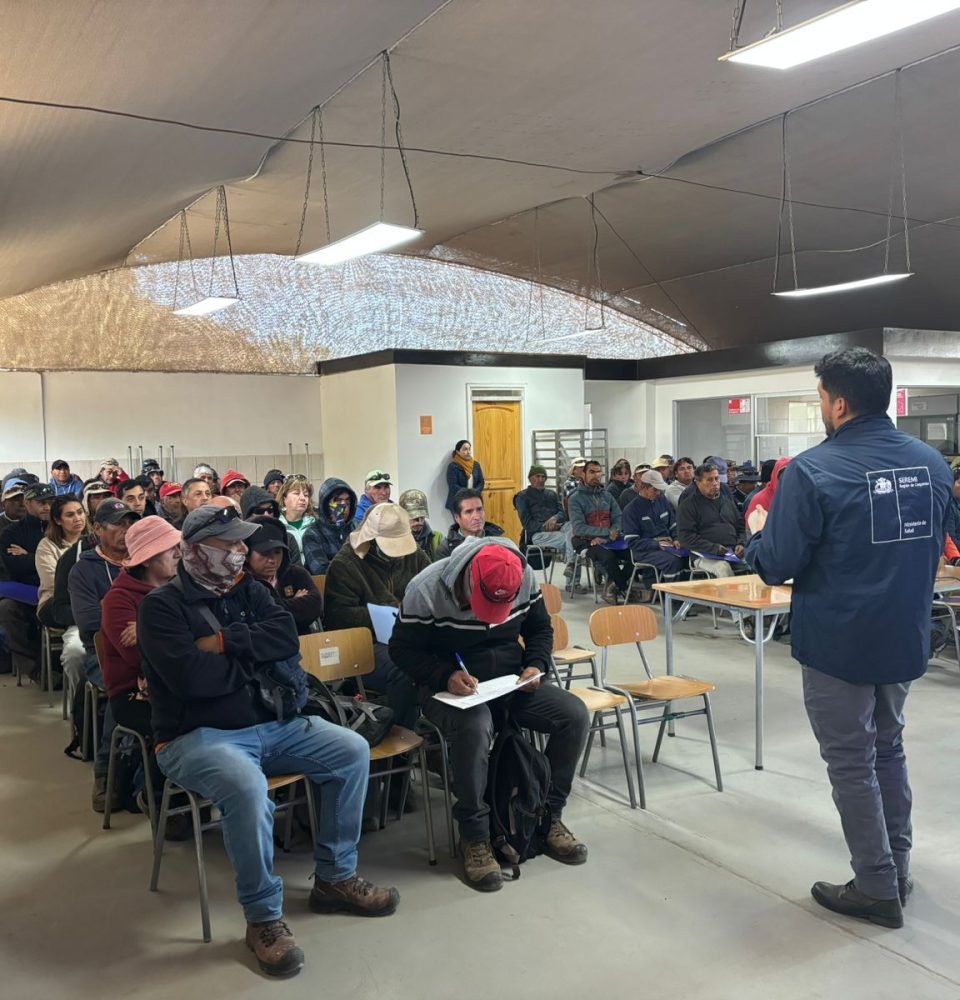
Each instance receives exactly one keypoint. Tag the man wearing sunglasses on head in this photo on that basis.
(214, 736)
(376, 489)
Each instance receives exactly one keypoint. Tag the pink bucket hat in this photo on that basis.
(148, 538)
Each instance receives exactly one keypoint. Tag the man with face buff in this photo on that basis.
(336, 508)
(213, 735)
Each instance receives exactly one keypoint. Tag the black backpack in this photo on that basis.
(370, 720)
(517, 783)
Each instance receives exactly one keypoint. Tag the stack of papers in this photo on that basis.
(486, 691)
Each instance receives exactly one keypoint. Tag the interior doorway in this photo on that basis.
(498, 446)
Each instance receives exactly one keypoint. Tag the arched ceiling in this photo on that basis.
(513, 115)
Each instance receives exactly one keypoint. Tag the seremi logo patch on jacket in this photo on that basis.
(901, 504)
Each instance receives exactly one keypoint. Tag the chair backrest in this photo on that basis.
(622, 624)
(552, 599)
(98, 646)
(332, 656)
(561, 634)
(321, 583)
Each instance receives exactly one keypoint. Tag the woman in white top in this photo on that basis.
(67, 524)
(295, 498)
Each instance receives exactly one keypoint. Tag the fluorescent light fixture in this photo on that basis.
(846, 286)
(374, 239)
(572, 336)
(211, 304)
(838, 29)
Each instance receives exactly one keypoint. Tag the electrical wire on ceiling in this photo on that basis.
(654, 279)
(454, 154)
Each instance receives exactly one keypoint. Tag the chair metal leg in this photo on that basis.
(94, 721)
(588, 747)
(447, 795)
(88, 709)
(201, 868)
(160, 833)
(148, 782)
(636, 752)
(713, 741)
(663, 722)
(311, 813)
(427, 807)
(626, 760)
(111, 769)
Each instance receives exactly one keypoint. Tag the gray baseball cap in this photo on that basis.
(216, 521)
(653, 478)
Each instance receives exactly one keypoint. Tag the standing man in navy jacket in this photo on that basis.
(858, 523)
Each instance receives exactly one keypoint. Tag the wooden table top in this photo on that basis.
(735, 591)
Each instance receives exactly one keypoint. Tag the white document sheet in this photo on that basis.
(383, 618)
(486, 691)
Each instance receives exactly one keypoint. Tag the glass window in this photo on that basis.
(713, 427)
(787, 425)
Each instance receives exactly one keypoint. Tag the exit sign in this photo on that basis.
(738, 406)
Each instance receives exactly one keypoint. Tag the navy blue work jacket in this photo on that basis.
(858, 523)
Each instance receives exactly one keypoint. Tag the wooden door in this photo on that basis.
(498, 447)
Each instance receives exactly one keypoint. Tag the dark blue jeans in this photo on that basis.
(230, 767)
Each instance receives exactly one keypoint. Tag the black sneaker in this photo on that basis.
(276, 950)
(848, 900)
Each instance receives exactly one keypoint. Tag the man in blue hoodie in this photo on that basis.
(858, 524)
(63, 481)
(336, 509)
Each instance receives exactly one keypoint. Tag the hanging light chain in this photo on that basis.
(306, 186)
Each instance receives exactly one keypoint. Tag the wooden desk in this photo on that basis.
(744, 593)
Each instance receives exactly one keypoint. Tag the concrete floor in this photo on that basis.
(703, 895)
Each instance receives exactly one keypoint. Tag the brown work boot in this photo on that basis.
(276, 950)
(98, 798)
(480, 868)
(354, 895)
(563, 846)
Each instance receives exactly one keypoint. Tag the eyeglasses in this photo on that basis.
(383, 480)
(224, 515)
(296, 477)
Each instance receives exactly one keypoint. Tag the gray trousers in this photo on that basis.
(470, 732)
(860, 731)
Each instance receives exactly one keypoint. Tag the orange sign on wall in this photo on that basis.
(426, 425)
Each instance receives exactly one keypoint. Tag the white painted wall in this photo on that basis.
(244, 421)
(621, 408)
(553, 399)
(21, 420)
(360, 426)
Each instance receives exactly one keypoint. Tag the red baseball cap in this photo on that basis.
(496, 573)
(169, 490)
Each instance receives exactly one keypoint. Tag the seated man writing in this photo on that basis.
(214, 735)
(473, 607)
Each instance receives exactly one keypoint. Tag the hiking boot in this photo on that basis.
(352, 895)
(568, 571)
(610, 593)
(563, 846)
(99, 797)
(480, 868)
(904, 888)
(848, 900)
(276, 950)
